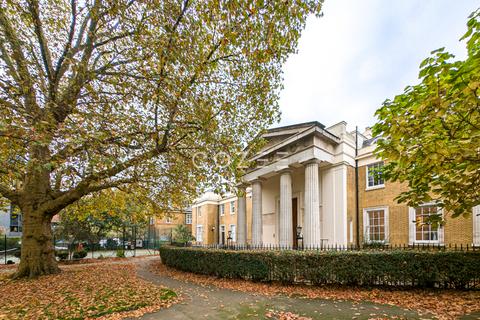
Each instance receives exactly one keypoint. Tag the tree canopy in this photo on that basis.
(430, 134)
(119, 205)
(95, 216)
(99, 94)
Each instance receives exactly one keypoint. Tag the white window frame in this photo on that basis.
(188, 218)
(366, 224)
(413, 226)
(476, 225)
(199, 235)
(378, 186)
(199, 211)
(222, 209)
(232, 207)
(168, 219)
(234, 232)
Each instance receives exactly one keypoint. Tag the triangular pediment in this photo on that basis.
(277, 135)
(285, 141)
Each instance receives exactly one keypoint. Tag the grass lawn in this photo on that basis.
(100, 290)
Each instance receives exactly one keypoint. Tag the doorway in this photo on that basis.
(222, 234)
(294, 221)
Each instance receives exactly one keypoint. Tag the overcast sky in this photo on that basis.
(363, 52)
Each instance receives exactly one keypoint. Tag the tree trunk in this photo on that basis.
(38, 252)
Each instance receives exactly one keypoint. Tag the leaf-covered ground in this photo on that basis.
(108, 290)
(444, 304)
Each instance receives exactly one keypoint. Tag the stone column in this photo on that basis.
(311, 224)
(286, 228)
(257, 223)
(242, 217)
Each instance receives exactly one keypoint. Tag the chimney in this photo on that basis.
(367, 133)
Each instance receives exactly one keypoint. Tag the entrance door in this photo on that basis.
(294, 221)
(222, 234)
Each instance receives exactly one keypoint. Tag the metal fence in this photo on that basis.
(131, 245)
(9, 246)
(335, 247)
(117, 244)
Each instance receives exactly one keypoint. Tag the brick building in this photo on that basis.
(304, 181)
(163, 227)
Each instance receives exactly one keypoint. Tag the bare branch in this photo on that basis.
(54, 206)
(26, 82)
(70, 95)
(42, 41)
(68, 45)
(115, 38)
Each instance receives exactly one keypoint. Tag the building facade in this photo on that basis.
(10, 222)
(303, 186)
(163, 228)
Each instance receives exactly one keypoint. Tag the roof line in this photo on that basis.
(309, 123)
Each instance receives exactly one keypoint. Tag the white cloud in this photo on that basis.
(363, 52)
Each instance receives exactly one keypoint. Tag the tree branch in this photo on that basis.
(42, 41)
(68, 45)
(26, 82)
(54, 206)
(8, 193)
(6, 58)
(65, 105)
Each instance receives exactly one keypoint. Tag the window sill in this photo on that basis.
(427, 242)
(375, 187)
(383, 243)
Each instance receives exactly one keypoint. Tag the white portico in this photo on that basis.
(300, 180)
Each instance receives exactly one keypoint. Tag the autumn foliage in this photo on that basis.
(430, 133)
(98, 94)
(82, 292)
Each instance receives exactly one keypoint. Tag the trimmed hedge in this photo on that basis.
(445, 269)
(79, 254)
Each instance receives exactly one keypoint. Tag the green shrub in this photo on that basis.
(120, 253)
(62, 255)
(100, 257)
(181, 234)
(79, 254)
(448, 269)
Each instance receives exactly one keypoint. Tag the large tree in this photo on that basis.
(430, 134)
(97, 94)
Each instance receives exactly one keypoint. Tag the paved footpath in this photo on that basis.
(200, 302)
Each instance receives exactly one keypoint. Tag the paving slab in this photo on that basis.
(208, 302)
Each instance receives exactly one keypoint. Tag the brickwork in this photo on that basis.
(456, 231)
(228, 218)
(164, 226)
(205, 215)
(351, 207)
